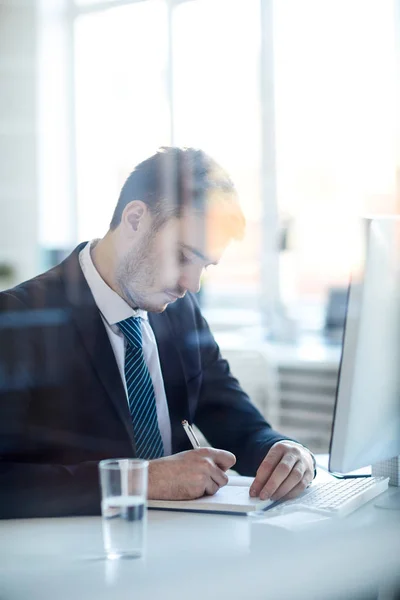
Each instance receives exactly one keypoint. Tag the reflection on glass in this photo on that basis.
(121, 106)
(335, 133)
(91, 3)
(216, 105)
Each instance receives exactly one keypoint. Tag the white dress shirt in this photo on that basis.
(114, 309)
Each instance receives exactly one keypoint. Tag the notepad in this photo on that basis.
(232, 498)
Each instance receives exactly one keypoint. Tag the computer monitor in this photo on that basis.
(366, 427)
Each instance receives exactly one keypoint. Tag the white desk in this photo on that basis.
(195, 556)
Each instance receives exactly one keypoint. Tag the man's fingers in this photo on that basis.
(299, 488)
(224, 459)
(211, 488)
(296, 476)
(266, 469)
(278, 476)
(219, 476)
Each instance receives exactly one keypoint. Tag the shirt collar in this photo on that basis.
(110, 304)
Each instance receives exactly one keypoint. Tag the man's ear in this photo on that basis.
(134, 213)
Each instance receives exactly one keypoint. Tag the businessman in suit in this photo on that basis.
(104, 355)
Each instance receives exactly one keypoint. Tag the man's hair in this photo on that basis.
(177, 178)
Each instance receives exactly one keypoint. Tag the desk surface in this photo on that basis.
(194, 556)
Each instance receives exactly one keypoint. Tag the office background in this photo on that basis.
(298, 100)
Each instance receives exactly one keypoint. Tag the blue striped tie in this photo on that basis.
(141, 396)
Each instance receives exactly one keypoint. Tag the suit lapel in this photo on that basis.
(94, 337)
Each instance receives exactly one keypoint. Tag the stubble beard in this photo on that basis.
(135, 276)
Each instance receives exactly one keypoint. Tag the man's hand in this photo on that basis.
(285, 472)
(189, 475)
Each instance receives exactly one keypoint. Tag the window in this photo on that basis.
(190, 73)
(216, 106)
(121, 105)
(335, 77)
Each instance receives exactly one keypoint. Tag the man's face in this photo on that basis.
(169, 262)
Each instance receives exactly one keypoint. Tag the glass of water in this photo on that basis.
(124, 506)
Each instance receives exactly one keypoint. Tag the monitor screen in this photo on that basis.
(366, 427)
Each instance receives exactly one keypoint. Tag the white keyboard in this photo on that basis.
(335, 498)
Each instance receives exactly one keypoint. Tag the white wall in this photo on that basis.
(18, 138)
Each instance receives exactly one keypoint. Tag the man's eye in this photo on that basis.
(183, 259)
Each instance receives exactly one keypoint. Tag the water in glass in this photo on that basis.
(124, 521)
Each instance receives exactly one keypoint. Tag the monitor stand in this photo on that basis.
(390, 502)
(389, 468)
(323, 463)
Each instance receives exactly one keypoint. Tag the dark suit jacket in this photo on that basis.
(63, 405)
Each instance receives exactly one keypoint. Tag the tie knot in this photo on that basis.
(132, 331)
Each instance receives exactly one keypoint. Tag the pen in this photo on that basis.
(191, 434)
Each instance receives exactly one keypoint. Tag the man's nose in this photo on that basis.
(190, 279)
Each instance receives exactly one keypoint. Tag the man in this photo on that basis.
(104, 355)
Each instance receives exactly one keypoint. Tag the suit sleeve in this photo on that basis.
(44, 490)
(32, 489)
(225, 413)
